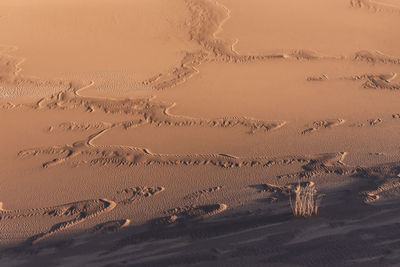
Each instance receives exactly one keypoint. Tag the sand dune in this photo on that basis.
(176, 133)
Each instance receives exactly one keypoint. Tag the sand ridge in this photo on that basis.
(186, 147)
(78, 212)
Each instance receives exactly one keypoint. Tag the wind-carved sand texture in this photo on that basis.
(175, 134)
(143, 111)
(78, 212)
(275, 193)
(323, 124)
(182, 214)
(376, 6)
(81, 127)
(207, 19)
(324, 164)
(375, 57)
(203, 193)
(396, 116)
(129, 195)
(386, 179)
(320, 78)
(22, 85)
(130, 157)
(374, 122)
(377, 81)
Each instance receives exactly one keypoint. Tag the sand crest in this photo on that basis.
(199, 132)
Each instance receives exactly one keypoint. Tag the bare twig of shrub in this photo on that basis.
(304, 200)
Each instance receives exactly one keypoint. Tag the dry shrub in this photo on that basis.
(304, 200)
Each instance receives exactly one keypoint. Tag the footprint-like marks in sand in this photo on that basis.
(377, 81)
(75, 213)
(80, 211)
(281, 193)
(369, 80)
(389, 189)
(186, 69)
(325, 124)
(205, 21)
(322, 164)
(203, 193)
(78, 127)
(13, 84)
(385, 179)
(374, 122)
(190, 213)
(318, 78)
(369, 122)
(118, 156)
(375, 6)
(198, 212)
(129, 195)
(375, 57)
(143, 111)
(275, 192)
(6, 106)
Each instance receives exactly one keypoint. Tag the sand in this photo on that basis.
(174, 133)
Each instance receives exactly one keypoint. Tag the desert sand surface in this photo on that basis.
(179, 133)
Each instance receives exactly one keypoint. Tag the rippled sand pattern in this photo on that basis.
(176, 133)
